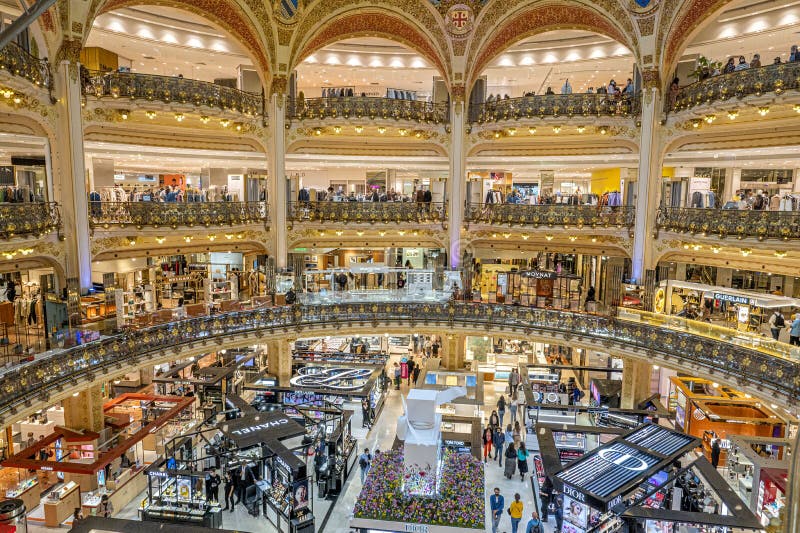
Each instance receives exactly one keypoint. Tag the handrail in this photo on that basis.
(371, 212)
(556, 105)
(170, 89)
(752, 81)
(28, 218)
(173, 214)
(741, 223)
(369, 107)
(551, 215)
(776, 376)
(19, 62)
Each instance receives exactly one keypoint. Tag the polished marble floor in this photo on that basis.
(334, 517)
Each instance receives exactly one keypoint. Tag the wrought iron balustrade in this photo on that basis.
(551, 215)
(753, 81)
(21, 63)
(778, 377)
(173, 214)
(368, 212)
(170, 89)
(347, 107)
(28, 219)
(744, 223)
(556, 105)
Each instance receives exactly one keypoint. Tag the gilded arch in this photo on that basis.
(675, 33)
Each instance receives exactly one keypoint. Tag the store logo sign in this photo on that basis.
(732, 299)
(574, 493)
(623, 459)
(416, 528)
(259, 427)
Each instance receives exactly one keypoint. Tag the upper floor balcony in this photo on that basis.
(774, 79)
(581, 105)
(404, 213)
(742, 224)
(330, 109)
(174, 91)
(28, 219)
(554, 215)
(176, 214)
(21, 64)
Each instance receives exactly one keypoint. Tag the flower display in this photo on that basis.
(459, 503)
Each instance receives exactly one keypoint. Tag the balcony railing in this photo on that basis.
(777, 377)
(754, 81)
(349, 107)
(784, 225)
(171, 214)
(578, 216)
(28, 219)
(170, 89)
(20, 63)
(555, 105)
(368, 212)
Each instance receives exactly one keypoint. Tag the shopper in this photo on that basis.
(230, 490)
(106, 509)
(545, 496)
(715, 451)
(559, 513)
(577, 394)
(515, 510)
(488, 438)
(522, 461)
(534, 524)
(501, 408)
(511, 460)
(498, 439)
(794, 331)
(776, 324)
(364, 462)
(513, 382)
(496, 503)
(77, 517)
(513, 408)
(416, 373)
(411, 365)
(517, 433)
(365, 412)
(212, 486)
(396, 376)
(521, 403)
(494, 420)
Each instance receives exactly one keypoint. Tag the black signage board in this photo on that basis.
(538, 274)
(267, 429)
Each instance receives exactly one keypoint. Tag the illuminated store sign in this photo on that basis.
(732, 299)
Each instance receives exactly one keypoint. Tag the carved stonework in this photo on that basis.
(646, 25)
(651, 78)
(280, 85)
(70, 50)
(458, 93)
(459, 20)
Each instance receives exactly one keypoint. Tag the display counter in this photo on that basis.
(29, 491)
(121, 491)
(211, 518)
(61, 503)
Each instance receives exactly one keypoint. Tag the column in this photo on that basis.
(277, 167)
(647, 183)
(453, 351)
(70, 169)
(279, 360)
(456, 183)
(736, 181)
(635, 382)
(85, 411)
(724, 276)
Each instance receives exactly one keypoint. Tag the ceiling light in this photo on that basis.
(132, 241)
(548, 237)
(150, 114)
(238, 126)
(796, 108)
(179, 117)
(418, 134)
(360, 233)
(733, 113)
(381, 130)
(696, 123)
(17, 100)
(710, 118)
(123, 115)
(715, 249)
(359, 129)
(188, 238)
(715, 384)
(75, 394)
(780, 254)
(229, 236)
(212, 238)
(763, 110)
(160, 240)
(556, 129)
(532, 130)
(506, 235)
(224, 122)
(403, 132)
(512, 131)
(382, 233)
(7, 93)
(573, 238)
(239, 236)
(603, 130)
(401, 232)
(337, 129)
(581, 129)
(497, 135)
(204, 119)
(525, 236)
(317, 131)
(746, 251)
(339, 233)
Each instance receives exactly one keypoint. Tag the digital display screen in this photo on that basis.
(472, 381)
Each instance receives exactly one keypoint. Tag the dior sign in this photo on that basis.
(623, 460)
(574, 493)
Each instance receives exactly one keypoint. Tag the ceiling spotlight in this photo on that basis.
(763, 110)
(238, 126)
(796, 108)
(337, 130)
(359, 129)
(132, 241)
(7, 93)
(403, 132)
(710, 118)
(532, 130)
(204, 119)
(512, 131)
(696, 123)
(603, 130)
(17, 100)
(317, 131)
(339, 233)
(160, 240)
(548, 237)
(224, 122)
(229, 236)
(746, 251)
(179, 117)
(525, 236)
(780, 254)
(212, 238)
(581, 129)
(497, 135)
(360, 233)
(150, 114)
(401, 232)
(732, 114)
(381, 130)
(573, 238)
(716, 249)
(418, 134)
(123, 115)
(506, 235)
(556, 129)
(188, 238)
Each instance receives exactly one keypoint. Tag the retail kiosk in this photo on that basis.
(470, 405)
(757, 470)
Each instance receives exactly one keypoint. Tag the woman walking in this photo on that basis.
(488, 438)
(522, 461)
(516, 513)
(511, 460)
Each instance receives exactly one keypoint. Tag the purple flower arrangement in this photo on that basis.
(460, 502)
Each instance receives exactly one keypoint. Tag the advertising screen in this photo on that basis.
(575, 513)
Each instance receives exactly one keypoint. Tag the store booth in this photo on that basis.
(710, 412)
(84, 468)
(370, 349)
(371, 282)
(502, 283)
(758, 468)
(470, 405)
